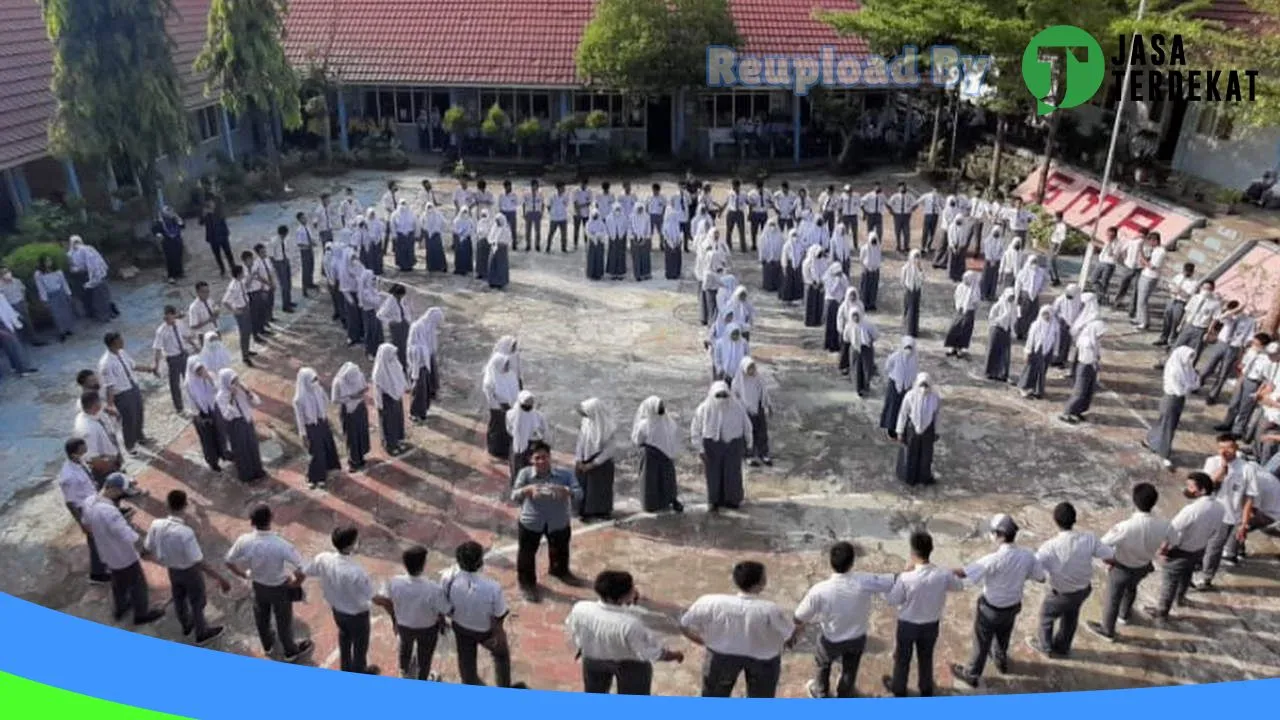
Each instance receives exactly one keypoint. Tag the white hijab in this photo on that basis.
(500, 234)
(858, 331)
(655, 429)
(214, 355)
(522, 424)
(1088, 313)
(672, 235)
(1067, 307)
(201, 392)
(793, 251)
(813, 267)
(968, 292)
(1042, 336)
(920, 404)
(720, 418)
(596, 430)
(729, 352)
(903, 365)
(839, 243)
(1030, 279)
(1005, 311)
(421, 343)
(640, 225)
(834, 283)
(912, 274)
(500, 383)
(750, 389)
(1180, 376)
(508, 345)
(348, 386)
(388, 375)
(310, 402)
(771, 242)
(233, 403)
(871, 255)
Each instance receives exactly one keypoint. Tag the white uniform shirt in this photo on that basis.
(611, 632)
(733, 203)
(98, 435)
(901, 203)
(323, 217)
(928, 203)
(302, 237)
(532, 203)
(418, 601)
(1267, 501)
(1240, 482)
(116, 372)
(1182, 287)
(841, 604)
(1155, 263)
(236, 296)
(115, 539)
(172, 340)
(559, 207)
(267, 556)
(476, 600)
(785, 203)
(921, 594)
(1068, 558)
(873, 203)
(346, 586)
(508, 202)
(281, 248)
(1196, 523)
(656, 205)
(76, 483)
(582, 202)
(741, 625)
(1136, 539)
(200, 316)
(461, 198)
(1004, 573)
(173, 544)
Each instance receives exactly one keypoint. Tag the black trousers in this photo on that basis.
(269, 600)
(734, 219)
(634, 677)
(920, 640)
(720, 673)
(189, 599)
(177, 368)
(129, 592)
(991, 625)
(259, 310)
(1062, 609)
(527, 552)
(244, 326)
(421, 640)
(849, 653)
(467, 640)
(222, 247)
(353, 641)
(308, 256)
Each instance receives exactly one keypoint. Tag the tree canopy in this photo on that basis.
(652, 46)
(244, 59)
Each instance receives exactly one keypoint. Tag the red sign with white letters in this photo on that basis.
(1076, 196)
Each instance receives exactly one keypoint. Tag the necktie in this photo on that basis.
(207, 308)
(107, 432)
(244, 295)
(177, 336)
(400, 305)
(327, 225)
(127, 374)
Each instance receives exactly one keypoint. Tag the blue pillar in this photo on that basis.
(795, 127)
(20, 185)
(564, 104)
(228, 142)
(73, 179)
(343, 141)
(11, 188)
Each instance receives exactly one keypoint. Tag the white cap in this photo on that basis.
(1004, 524)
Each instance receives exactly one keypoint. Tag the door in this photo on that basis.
(658, 132)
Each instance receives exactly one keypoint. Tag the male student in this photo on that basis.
(613, 641)
(418, 609)
(173, 544)
(118, 546)
(280, 251)
(919, 594)
(1068, 559)
(349, 591)
(173, 344)
(307, 245)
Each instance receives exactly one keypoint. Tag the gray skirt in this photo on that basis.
(59, 304)
(1082, 393)
(597, 491)
(323, 450)
(1160, 437)
(722, 464)
(657, 480)
(245, 451)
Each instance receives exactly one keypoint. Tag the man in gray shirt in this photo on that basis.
(546, 496)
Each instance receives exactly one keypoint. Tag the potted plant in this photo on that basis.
(456, 122)
(1225, 200)
(495, 126)
(528, 134)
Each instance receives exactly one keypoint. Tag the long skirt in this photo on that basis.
(707, 308)
(1006, 280)
(100, 307)
(323, 450)
(956, 265)
(436, 259)
(59, 304)
(597, 491)
(1063, 352)
(212, 442)
(1028, 308)
(869, 289)
(391, 419)
(433, 382)
(911, 313)
(421, 401)
(1082, 392)
(1160, 437)
(77, 280)
(999, 347)
(355, 430)
(595, 260)
(404, 252)
(497, 439)
(792, 285)
(641, 259)
(482, 258)
(462, 259)
(961, 332)
(892, 405)
(399, 332)
(355, 321)
(1033, 374)
(518, 461)
(771, 275)
(915, 455)
(244, 450)
(832, 339)
(372, 332)
(615, 264)
(375, 254)
(657, 480)
(989, 285)
(722, 465)
(499, 267)
(674, 263)
(863, 368)
(813, 306)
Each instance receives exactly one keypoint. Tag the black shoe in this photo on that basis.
(188, 630)
(253, 353)
(372, 670)
(100, 579)
(887, 682)
(247, 362)
(531, 594)
(149, 617)
(287, 310)
(269, 333)
(39, 343)
(676, 506)
(1096, 629)
(304, 647)
(958, 672)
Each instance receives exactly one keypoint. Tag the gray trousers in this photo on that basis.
(269, 600)
(1243, 402)
(1173, 313)
(353, 641)
(720, 674)
(849, 653)
(1122, 590)
(189, 599)
(634, 677)
(13, 349)
(284, 274)
(1062, 609)
(467, 640)
(1213, 551)
(1179, 565)
(992, 628)
(244, 326)
(129, 592)
(177, 368)
(129, 405)
(920, 640)
(1222, 365)
(902, 231)
(308, 256)
(1141, 310)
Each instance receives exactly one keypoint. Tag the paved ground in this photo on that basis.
(623, 341)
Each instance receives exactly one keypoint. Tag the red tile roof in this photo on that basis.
(505, 42)
(26, 68)
(1235, 14)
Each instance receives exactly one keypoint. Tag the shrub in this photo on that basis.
(455, 120)
(529, 131)
(22, 261)
(596, 119)
(1042, 227)
(47, 222)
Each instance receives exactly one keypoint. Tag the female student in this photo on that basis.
(1000, 320)
(870, 258)
(348, 392)
(770, 255)
(968, 293)
(749, 388)
(917, 433)
(390, 387)
(311, 410)
(1180, 380)
(835, 287)
(900, 371)
(235, 404)
(1041, 345)
(201, 391)
(912, 277)
(655, 433)
(593, 460)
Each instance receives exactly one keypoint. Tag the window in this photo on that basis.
(206, 123)
(370, 106)
(386, 105)
(541, 105)
(404, 106)
(581, 103)
(622, 110)
(1205, 123)
(722, 110)
(420, 104)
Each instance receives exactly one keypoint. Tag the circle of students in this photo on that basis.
(806, 253)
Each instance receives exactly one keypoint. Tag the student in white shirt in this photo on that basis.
(929, 204)
(202, 315)
(559, 208)
(612, 640)
(99, 433)
(117, 544)
(280, 252)
(1003, 575)
(1259, 511)
(1235, 484)
(275, 569)
(508, 204)
(1131, 256)
(581, 211)
(478, 613)
(757, 212)
(919, 594)
(349, 591)
(306, 244)
(734, 216)
(742, 633)
(1068, 559)
(1100, 278)
(1181, 288)
(873, 206)
(1193, 526)
(1202, 309)
(418, 608)
(75, 480)
(1056, 238)
(173, 344)
(532, 205)
(900, 205)
(119, 380)
(258, 280)
(1256, 367)
(1223, 358)
(1135, 541)
(239, 302)
(785, 203)
(173, 544)
(841, 606)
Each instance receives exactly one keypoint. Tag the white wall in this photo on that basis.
(1232, 163)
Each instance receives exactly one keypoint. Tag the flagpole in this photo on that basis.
(1111, 151)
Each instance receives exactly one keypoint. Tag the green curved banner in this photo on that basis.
(22, 699)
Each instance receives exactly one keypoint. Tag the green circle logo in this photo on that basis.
(1082, 78)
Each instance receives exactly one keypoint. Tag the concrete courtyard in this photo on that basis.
(622, 341)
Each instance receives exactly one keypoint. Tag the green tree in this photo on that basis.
(1255, 47)
(117, 92)
(246, 68)
(843, 110)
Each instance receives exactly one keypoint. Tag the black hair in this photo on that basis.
(537, 446)
(89, 399)
(397, 290)
(1145, 496)
(74, 445)
(415, 559)
(246, 255)
(201, 284)
(283, 230)
(344, 537)
(470, 556)
(921, 544)
(237, 271)
(110, 338)
(1203, 482)
(301, 217)
(1227, 437)
(841, 556)
(259, 248)
(748, 575)
(170, 310)
(614, 585)
(260, 517)
(176, 500)
(83, 376)
(1064, 515)
(1233, 304)
(1188, 268)
(1263, 338)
